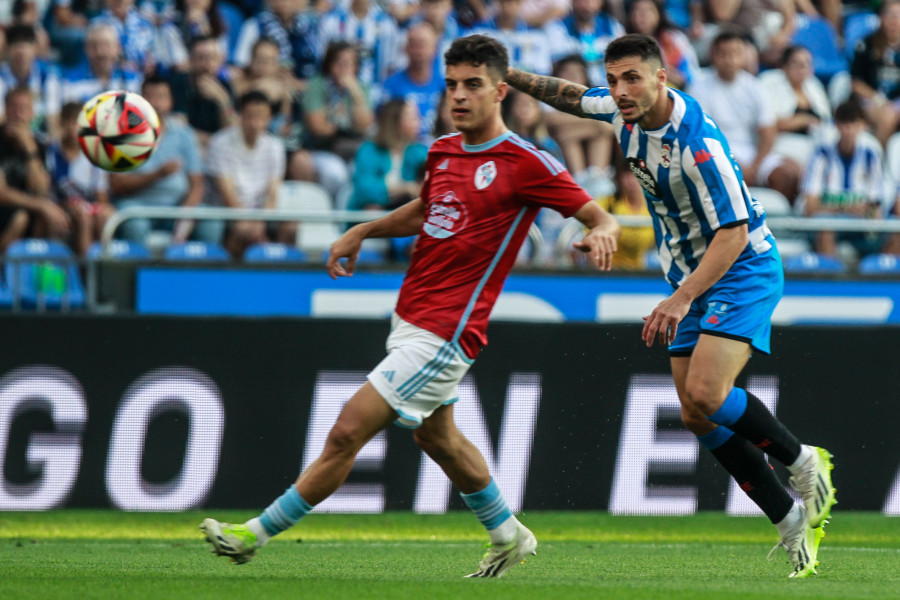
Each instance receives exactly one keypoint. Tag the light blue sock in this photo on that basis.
(732, 408)
(282, 514)
(489, 506)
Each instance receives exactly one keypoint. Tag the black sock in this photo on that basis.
(755, 476)
(746, 415)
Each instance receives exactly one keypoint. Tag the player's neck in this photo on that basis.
(493, 131)
(659, 114)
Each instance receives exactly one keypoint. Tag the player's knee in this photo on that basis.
(694, 420)
(705, 396)
(431, 443)
(343, 438)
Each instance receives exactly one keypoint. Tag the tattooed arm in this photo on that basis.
(559, 93)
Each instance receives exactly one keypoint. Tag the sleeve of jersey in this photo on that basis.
(712, 175)
(545, 182)
(596, 103)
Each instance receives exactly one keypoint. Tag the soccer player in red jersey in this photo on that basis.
(483, 189)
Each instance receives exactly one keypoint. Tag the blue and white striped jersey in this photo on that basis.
(692, 184)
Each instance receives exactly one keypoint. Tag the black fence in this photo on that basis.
(170, 414)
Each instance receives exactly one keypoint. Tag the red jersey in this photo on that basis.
(480, 202)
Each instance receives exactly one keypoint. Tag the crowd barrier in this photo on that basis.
(166, 414)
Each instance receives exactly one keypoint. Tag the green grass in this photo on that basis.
(103, 554)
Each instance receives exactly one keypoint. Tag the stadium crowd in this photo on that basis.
(349, 94)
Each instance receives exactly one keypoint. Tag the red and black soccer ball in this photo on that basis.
(118, 131)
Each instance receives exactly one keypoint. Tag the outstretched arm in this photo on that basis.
(559, 93)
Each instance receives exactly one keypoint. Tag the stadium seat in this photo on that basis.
(885, 264)
(892, 157)
(773, 201)
(817, 35)
(44, 274)
(813, 262)
(857, 27)
(651, 260)
(274, 253)
(120, 250)
(196, 252)
(312, 197)
(796, 146)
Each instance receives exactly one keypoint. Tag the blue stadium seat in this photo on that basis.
(813, 262)
(857, 27)
(651, 260)
(44, 274)
(196, 252)
(817, 35)
(366, 257)
(121, 250)
(274, 253)
(887, 264)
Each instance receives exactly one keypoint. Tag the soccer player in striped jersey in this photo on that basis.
(482, 191)
(722, 262)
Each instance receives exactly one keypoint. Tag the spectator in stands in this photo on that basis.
(876, 72)
(295, 28)
(587, 145)
(443, 120)
(737, 103)
(402, 10)
(388, 166)
(649, 17)
(204, 94)
(190, 20)
(523, 115)
(635, 242)
(337, 114)
(29, 13)
(529, 48)
(25, 188)
(101, 71)
(420, 82)
(22, 68)
(770, 36)
(591, 28)
(846, 179)
(442, 18)
(538, 13)
(173, 176)
(374, 33)
(798, 99)
(67, 27)
(265, 73)
(137, 35)
(247, 166)
(79, 187)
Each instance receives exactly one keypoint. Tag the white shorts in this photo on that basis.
(420, 373)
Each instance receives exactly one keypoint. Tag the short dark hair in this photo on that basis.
(790, 51)
(21, 33)
(69, 111)
(201, 39)
(634, 44)
(849, 112)
(477, 50)
(253, 97)
(20, 90)
(155, 79)
(728, 34)
(334, 50)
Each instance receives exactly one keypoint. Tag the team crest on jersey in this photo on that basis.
(638, 166)
(446, 216)
(665, 157)
(485, 175)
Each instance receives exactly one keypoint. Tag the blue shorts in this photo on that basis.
(739, 306)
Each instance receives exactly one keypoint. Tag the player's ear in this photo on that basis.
(502, 90)
(662, 78)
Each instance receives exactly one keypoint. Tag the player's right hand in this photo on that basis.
(347, 246)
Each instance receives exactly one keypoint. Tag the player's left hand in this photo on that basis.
(600, 247)
(347, 246)
(663, 321)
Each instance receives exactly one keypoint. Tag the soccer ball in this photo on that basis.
(118, 131)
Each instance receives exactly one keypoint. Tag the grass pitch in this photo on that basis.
(84, 555)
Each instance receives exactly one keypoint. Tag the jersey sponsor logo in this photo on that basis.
(446, 216)
(485, 175)
(701, 156)
(638, 166)
(665, 157)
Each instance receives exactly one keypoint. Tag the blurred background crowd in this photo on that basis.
(348, 94)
